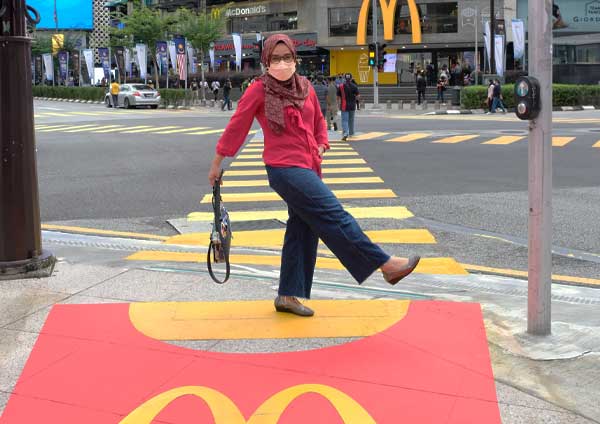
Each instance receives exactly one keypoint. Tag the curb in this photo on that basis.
(508, 110)
(49, 99)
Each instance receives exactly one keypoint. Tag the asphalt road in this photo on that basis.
(472, 196)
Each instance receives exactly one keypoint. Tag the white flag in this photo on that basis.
(518, 38)
(127, 61)
(88, 55)
(211, 53)
(191, 58)
(237, 42)
(49, 66)
(499, 54)
(142, 59)
(173, 55)
(486, 40)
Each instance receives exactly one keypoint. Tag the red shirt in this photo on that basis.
(298, 144)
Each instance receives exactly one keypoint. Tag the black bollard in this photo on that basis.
(21, 254)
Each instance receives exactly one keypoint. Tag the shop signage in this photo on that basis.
(303, 42)
(570, 15)
(388, 11)
(259, 9)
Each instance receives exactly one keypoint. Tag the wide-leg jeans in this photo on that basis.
(315, 213)
(348, 123)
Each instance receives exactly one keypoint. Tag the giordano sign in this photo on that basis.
(226, 412)
(388, 10)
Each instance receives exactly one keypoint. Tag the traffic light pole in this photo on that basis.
(540, 172)
(375, 70)
(21, 254)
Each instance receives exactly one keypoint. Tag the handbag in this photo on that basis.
(220, 236)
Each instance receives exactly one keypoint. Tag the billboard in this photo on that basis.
(71, 14)
(570, 15)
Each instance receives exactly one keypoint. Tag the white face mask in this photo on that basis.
(282, 71)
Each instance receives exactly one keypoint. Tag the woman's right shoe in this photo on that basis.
(395, 276)
(292, 305)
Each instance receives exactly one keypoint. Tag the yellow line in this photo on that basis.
(388, 212)
(327, 154)
(87, 113)
(182, 130)
(95, 127)
(325, 162)
(53, 126)
(70, 127)
(507, 139)
(368, 136)
(119, 129)
(597, 144)
(252, 172)
(62, 115)
(265, 183)
(99, 231)
(206, 132)
(273, 197)
(456, 139)
(149, 129)
(516, 273)
(561, 141)
(409, 137)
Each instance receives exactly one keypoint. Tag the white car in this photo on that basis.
(134, 95)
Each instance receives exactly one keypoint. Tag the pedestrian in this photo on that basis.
(421, 87)
(114, 93)
(194, 87)
(321, 90)
(295, 139)
(348, 95)
(430, 74)
(497, 97)
(332, 105)
(245, 85)
(215, 86)
(441, 87)
(226, 93)
(490, 96)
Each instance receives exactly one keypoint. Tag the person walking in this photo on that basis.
(421, 87)
(497, 97)
(226, 93)
(332, 105)
(490, 96)
(215, 86)
(295, 140)
(441, 87)
(114, 93)
(321, 90)
(348, 96)
(194, 87)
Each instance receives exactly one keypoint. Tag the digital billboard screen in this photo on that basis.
(71, 14)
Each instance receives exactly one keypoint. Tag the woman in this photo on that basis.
(295, 139)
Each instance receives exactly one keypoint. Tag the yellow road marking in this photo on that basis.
(119, 129)
(207, 132)
(62, 115)
(182, 130)
(274, 197)
(95, 127)
(561, 141)
(69, 127)
(409, 137)
(265, 183)
(367, 136)
(258, 320)
(507, 139)
(52, 126)
(456, 139)
(88, 113)
(39, 127)
(325, 162)
(327, 154)
(516, 273)
(252, 172)
(145, 130)
(99, 231)
(389, 212)
(597, 144)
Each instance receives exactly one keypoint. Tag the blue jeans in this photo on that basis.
(497, 103)
(347, 123)
(314, 212)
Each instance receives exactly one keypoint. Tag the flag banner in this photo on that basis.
(49, 66)
(487, 41)
(173, 55)
(161, 55)
(76, 61)
(105, 60)
(211, 54)
(499, 54)
(38, 68)
(142, 59)
(63, 65)
(127, 61)
(88, 55)
(237, 43)
(120, 59)
(192, 58)
(518, 38)
(181, 58)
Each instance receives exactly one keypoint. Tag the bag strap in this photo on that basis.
(215, 245)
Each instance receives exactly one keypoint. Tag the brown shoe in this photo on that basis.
(293, 306)
(394, 277)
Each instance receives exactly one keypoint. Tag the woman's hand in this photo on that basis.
(215, 170)
(321, 150)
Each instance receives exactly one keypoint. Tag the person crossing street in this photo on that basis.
(114, 94)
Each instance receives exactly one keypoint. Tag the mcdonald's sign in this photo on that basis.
(388, 11)
(226, 412)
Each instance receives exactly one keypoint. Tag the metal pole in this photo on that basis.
(540, 172)
(375, 70)
(476, 59)
(21, 254)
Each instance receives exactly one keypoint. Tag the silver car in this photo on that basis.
(134, 95)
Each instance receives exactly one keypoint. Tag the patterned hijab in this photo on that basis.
(279, 94)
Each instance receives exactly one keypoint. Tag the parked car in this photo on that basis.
(134, 95)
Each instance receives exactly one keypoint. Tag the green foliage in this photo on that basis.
(60, 92)
(474, 97)
(201, 29)
(175, 97)
(42, 43)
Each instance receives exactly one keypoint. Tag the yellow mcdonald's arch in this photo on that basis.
(388, 10)
(226, 412)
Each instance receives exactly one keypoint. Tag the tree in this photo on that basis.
(201, 29)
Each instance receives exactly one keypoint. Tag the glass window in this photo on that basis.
(343, 21)
(435, 18)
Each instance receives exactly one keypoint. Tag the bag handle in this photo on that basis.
(216, 242)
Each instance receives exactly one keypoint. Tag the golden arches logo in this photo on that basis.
(388, 11)
(226, 412)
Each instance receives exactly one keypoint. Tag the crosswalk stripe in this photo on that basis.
(367, 136)
(94, 127)
(265, 183)
(368, 212)
(62, 115)
(39, 127)
(252, 156)
(207, 132)
(270, 196)
(69, 127)
(409, 137)
(436, 266)
(88, 113)
(597, 144)
(456, 139)
(253, 172)
(182, 130)
(151, 129)
(325, 162)
(506, 139)
(561, 141)
(119, 129)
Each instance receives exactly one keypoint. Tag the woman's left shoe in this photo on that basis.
(292, 305)
(394, 277)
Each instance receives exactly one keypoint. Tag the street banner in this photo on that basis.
(49, 66)
(127, 62)
(162, 59)
(211, 54)
(192, 58)
(237, 43)
(38, 68)
(88, 55)
(120, 60)
(142, 60)
(499, 54)
(173, 55)
(76, 61)
(518, 38)
(486, 41)
(181, 58)
(63, 65)
(104, 56)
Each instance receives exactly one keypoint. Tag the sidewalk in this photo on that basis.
(552, 379)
